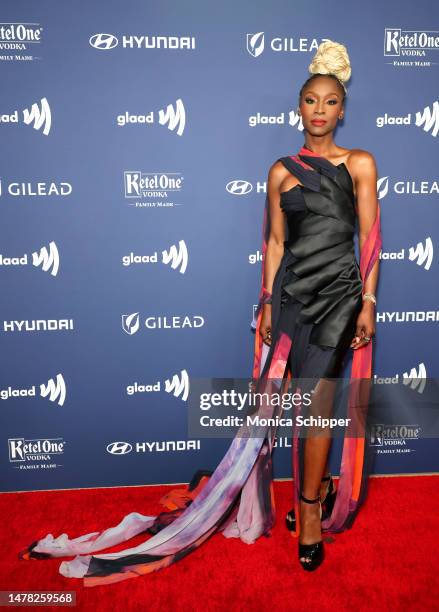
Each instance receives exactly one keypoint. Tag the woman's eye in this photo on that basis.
(332, 101)
(309, 100)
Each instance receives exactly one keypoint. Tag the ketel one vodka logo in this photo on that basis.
(176, 257)
(20, 39)
(172, 118)
(393, 435)
(410, 44)
(39, 117)
(427, 119)
(178, 386)
(41, 449)
(54, 391)
(421, 254)
(152, 189)
(47, 259)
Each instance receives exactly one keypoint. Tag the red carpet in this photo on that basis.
(388, 560)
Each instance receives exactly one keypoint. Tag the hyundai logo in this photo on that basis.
(103, 41)
(119, 448)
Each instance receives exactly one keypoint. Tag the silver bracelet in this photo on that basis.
(370, 296)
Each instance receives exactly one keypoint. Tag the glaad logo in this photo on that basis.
(422, 255)
(428, 119)
(149, 185)
(25, 452)
(393, 436)
(162, 446)
(176, 257)
(293, 119)
(109, 41)
(410, 43)
(40, 119)
(177, 385)
(48, 260)
(255, 257)
(131, 324)
(55, 390)
(415, 379)
(19, 38)
(173, 118)
(239, 187)
(256, 44)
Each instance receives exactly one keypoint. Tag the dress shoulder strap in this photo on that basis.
(309, 177)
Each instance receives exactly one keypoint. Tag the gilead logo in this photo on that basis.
(256, 44)
(131, 322)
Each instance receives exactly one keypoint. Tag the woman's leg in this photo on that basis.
(316, 450)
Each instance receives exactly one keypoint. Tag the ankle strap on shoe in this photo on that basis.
(310, 501)
(326, 478)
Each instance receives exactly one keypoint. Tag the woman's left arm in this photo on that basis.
(364, 173)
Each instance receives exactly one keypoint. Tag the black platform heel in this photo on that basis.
(327, 505)
(313, 553)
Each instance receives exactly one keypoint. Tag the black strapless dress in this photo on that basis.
(317, 291)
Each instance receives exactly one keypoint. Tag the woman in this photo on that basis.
(321, 303)
(317, 262)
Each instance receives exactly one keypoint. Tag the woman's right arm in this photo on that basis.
(275, 243)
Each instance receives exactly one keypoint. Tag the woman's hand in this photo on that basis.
(265, 327)
(365, 325)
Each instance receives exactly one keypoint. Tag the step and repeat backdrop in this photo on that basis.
(136, 141)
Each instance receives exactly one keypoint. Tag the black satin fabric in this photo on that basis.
(319, 269)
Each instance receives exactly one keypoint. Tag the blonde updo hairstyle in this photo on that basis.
(331, 59)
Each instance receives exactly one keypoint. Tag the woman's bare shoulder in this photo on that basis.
(277, 172)
(361, 157)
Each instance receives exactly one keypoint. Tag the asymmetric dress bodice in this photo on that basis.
(319, 270)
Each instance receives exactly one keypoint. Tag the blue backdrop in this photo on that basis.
(136, 139)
